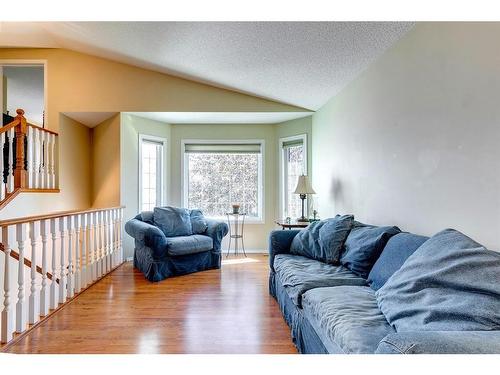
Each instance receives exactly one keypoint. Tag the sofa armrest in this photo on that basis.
(217, 230)
(279, 243)
(441, 342)
(148, 235)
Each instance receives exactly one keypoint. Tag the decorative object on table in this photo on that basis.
(236, 222)
(288, 220)
(291, 224)
(303, 188)
(315, 217)
(236, 208)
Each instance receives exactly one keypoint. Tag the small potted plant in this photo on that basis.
(236, 208)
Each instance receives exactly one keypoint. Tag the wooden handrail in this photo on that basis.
(27, 262)
(28, 219)
(9, 126)
(42, 129)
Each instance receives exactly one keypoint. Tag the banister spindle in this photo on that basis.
(53, 285)
(120, 235)
(78, 248)
(33, 299)
(45, 169)
(36, 158)
(31, 152)
(100, 247)
(2, 184)
(52, 163)
(62, 276)
(95, 246)
(44, 301)
(113, 251)
(10, 173)
(107, 239)
(20, 306)
(7, 316)
(70, 282)
(84, 272)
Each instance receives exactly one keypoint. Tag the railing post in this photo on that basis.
(62, 263)
(20, 306)
(7, 316)
(44, 301)
(78, 231)
(70, 284)
(33, 299)
(19, 171)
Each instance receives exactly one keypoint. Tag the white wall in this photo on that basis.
(414, 141)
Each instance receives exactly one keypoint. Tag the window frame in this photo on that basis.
(260, 183)
(162, 168)
(281, 161)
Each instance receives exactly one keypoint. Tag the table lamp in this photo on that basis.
(303, 188)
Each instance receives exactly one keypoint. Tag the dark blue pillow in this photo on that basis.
(323, 240)
(395, 253)
(364, 245)
(198, 222)
(173, 221)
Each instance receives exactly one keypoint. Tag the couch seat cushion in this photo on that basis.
(450, 283)
(299, 274)
(347, 317)
(185, 245)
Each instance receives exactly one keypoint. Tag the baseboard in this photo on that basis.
(248, 251)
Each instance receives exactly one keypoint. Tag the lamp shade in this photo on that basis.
(304, 186)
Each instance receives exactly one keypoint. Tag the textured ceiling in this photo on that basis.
(298, 63)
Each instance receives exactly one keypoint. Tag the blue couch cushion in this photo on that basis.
(198, 222)
(348, 316)
(363, 246)
(395, 253)
(184, 245)
(173, 221)
(451, 283)
(323, 240)
(299, 274)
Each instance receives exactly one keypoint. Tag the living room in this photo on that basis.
(292, 187)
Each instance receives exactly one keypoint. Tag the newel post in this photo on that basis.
(19, 171)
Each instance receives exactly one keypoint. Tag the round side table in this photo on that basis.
(236, 223)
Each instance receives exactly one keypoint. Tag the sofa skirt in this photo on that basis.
(160, 269)
(303, 334)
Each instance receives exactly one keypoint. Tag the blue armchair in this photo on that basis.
(163, 248)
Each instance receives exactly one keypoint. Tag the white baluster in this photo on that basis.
(20, 306)
(84, 272)
(45, 160)
(2, 185)
(10, 175)
(120, 235)
(70, 288)
(54, 285)
(7, 316)
(52, 161)
(33, 299)
(44, 301)
(29, 156)
(78, 232)
(62, 276)
(37, 158)
(94, 245)
(107, 240)
(100, 247)
(113, 253)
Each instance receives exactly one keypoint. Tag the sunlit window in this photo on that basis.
(151, 174)
(293, 164)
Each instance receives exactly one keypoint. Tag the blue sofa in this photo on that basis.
(176, 243)
(409, 299)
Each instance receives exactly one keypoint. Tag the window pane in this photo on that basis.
(294, 160)
(150, 179)
(218, 180)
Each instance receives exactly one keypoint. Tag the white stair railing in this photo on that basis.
(81, 247)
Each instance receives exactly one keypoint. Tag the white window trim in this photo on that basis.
(281, 142)
(17, 62)
(261, 174)
(163, 164)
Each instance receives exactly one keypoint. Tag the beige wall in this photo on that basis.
(414, 140)
(106, 163)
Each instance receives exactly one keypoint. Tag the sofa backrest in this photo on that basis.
(395, 253)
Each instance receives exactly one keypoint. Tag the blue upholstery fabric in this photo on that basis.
(183, 245)
(279, 243)
(395, 253)
(441, 342)
(151, 249)
(198, 222)
(451, 283)
(348, 316)
(173, 221)
(363, 246)
(323, 240)
(299, 274)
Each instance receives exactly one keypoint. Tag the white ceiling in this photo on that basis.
(299, 63)
(221, 117)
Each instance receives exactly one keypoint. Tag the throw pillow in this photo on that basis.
(198, 222)
(173, 221)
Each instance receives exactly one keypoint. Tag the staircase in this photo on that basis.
(27, 159)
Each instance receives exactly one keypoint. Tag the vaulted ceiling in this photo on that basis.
(298, 63)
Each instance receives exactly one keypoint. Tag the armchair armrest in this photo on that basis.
(441, 342)
(279, 243)
(217, 230)
(147, 234)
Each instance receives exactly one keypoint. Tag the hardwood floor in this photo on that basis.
(217, 311)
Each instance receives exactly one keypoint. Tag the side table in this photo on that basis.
(236, 223)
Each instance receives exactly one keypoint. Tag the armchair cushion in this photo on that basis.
(183, 245)
(279, 243)
(198, 222)
(450, 283)
(173, 221)
(147, 235)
